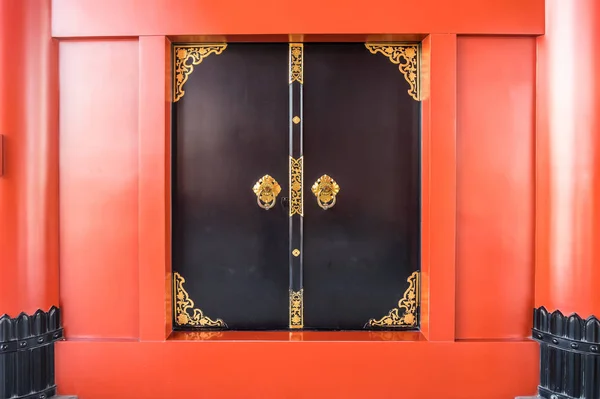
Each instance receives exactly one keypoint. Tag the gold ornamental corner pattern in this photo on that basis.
(296, 186)
(408, 304)
(407, 57)
(296, 63)
(186, 57)
(185, 313)
(297, 309)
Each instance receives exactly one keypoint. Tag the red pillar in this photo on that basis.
(29, 186)
(568, 159)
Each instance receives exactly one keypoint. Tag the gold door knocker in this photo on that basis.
(325, 189)
(266, 189)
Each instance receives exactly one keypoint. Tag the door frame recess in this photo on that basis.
(437, 91)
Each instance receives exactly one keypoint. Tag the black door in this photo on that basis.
(296, 186)
(362, 130)
(230, 130)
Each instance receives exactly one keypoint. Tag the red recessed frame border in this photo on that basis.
(438, 233)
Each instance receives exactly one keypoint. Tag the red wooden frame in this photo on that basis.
(93, 18)
(438, 189)
(94, 362)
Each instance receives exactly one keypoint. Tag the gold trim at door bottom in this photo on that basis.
(297, 309)
(409, 303)
(183, 306)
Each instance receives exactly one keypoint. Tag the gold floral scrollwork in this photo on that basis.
(407, 57)
(297, 309)
(296, 62)
(186, 56)
(296, 173)
(408, 303)
(185, 313)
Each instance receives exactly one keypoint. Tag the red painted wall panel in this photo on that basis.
(99, 188)
(495, 186)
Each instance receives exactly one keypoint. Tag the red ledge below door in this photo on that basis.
(297, 370)
(315, 336)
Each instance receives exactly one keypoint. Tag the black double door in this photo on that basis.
(296, 188)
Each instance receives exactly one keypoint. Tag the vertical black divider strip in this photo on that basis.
(296, 182)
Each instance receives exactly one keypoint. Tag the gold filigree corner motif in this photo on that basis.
(296, 186)
(296, 62)
(186, 57)
(297, 309)
(185, 313)
(407, 57)
(409, 304)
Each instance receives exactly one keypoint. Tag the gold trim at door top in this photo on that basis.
(409, 303)
(183, 306)
(326, 190)
(408, 59)
(296, 62)
(266, 189)
(186, 56)
(296, 186)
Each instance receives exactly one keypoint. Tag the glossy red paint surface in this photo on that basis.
(336, 370)
(29, 186)
(77, 18)
(568, 159)
(99, 188)
(154, 191)
(438, 232)
(495, 187)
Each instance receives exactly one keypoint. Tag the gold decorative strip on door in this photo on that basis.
(296, 187)
(296, 184)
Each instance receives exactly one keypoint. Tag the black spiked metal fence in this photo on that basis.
(569, 355)
(27, 354)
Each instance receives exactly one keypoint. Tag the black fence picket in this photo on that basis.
(569, 355)
(27, 354)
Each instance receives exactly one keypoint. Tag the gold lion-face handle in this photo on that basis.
(266, 189)
(326, 190)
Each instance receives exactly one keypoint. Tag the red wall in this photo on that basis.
(99, 188)
(478, 239)
(495, 187)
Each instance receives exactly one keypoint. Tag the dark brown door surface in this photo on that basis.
(361, 128)
(302, 114)
(230, 129)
